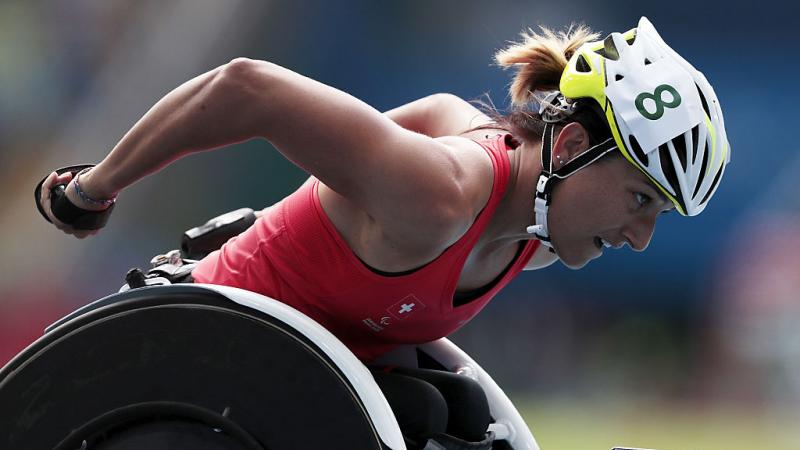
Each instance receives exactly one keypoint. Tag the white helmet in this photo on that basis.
(664, 117)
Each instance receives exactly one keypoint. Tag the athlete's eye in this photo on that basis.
(642, 199)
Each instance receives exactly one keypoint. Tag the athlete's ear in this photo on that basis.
(572, 140)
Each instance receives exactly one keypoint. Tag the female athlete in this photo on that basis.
(412, 220)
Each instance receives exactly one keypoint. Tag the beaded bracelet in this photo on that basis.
(85, 197)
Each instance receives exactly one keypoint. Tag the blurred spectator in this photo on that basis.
(756, 309)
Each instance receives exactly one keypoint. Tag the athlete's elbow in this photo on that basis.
(446, 215)
(246, 87)
(451, 221)
(241, 68)
(242, 75)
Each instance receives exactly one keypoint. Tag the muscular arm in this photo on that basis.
(354, 149)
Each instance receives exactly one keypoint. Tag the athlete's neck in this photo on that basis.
(515, 211)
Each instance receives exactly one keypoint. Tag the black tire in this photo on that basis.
(181, 355)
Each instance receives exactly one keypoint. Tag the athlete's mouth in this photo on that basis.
(600, 242)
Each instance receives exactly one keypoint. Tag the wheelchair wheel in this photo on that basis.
(179, 367)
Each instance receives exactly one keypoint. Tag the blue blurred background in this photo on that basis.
(704, 324)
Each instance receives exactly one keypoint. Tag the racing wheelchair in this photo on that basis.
(163, 364)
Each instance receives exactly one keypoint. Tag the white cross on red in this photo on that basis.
(406, 307)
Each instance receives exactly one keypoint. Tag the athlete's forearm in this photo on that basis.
(201, 114)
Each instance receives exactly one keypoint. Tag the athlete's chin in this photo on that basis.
(576, 254)
(576, 261)
(575, 265)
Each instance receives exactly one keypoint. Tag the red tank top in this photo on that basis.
(294, 254)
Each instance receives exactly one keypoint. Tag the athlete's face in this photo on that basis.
(608, 201)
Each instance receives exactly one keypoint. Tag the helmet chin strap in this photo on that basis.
(549, 178)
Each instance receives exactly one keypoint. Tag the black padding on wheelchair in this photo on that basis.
(183, 363)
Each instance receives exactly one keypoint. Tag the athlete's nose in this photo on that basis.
(639, 232)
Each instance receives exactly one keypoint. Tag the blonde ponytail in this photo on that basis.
(541, 58)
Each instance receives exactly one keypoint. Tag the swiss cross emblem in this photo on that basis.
(405, 307)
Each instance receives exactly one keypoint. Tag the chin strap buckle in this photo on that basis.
(541, 204)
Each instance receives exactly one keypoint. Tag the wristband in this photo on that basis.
(85, 197)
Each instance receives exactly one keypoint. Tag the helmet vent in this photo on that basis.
(618, 77)
(703, 100)
(647, 62)
(669, 171)
(695, 133)
(637, 150)
(609, 49)
(631, 40)
(581, 65)
(680, 148)
(702, 170)
(713, 185)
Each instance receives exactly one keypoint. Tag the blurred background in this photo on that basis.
(694, 344)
